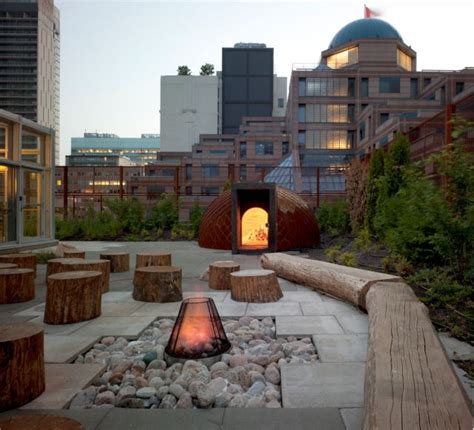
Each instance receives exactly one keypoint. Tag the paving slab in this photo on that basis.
(117, 296)
(339, 385)
(64, 349)
(158, 310)
(353, 418)
(456, 349)
(301, 297)
(283, 419)
(58, 329)
(273, 309)
(341, 348)
(358, 323)
(307, 325)
(133, 419)
(129, 327)
(216, 296)
(89, 418)
(231, 310)
(120, 309)
(327, 308)
(63, 381)
(35, 311)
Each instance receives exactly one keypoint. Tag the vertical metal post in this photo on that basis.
(448, 126)
(318, 189)
(65, 191)
(121, 182)
(176, 183)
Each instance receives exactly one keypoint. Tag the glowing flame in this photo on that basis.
(255, 227)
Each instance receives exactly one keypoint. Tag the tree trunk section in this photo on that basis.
(145, 259)
(74, 253)
(255, 286)
(346, 283)
(73, 297)
(39, 422)
(103, 266)
(8, 266)
(22, 376)
(16, 285)
(54, 265)
(219, 274)
(24, 261)
(160, 284)
(119, 261)
(409, 381)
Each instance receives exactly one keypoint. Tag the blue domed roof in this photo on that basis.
(365, 28)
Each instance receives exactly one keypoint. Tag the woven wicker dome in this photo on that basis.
(296, 223)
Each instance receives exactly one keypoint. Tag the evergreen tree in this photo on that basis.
(184, 71)
(207, 69)
(376, 170)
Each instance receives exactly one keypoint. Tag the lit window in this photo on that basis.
(343, 59)
(404, 60)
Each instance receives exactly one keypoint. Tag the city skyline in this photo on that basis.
(111, 83)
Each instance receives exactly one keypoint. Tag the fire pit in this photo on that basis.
(198, 333)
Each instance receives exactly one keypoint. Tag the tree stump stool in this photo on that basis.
(16, 285)
(73, 297)
(24, 261)
(160, 284)
(74, 253)
(103, 266)
(255, 286)
(119, 261)
(54, 265)
(153, 258)
(8, 266)
(22, 376)
(39, 422)
(219, 274)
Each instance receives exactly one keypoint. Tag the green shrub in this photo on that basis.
(362, 241)
(69, 228)
(42, 257)
(195, 216)
(165, 213)
(376, 170)
(348, 259)
(182, 231)
(101, 226)
(130, 213)
(332, 252)
(333, 217)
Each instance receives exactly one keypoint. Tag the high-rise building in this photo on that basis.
(101, 149)
(29, 61)
(249, 85)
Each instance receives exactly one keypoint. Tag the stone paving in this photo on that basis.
(331, 390)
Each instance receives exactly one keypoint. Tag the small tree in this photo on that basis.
(184, 71)
(398, 156)
(165, 213)
(356, 186)
(207, 69)
(376, 170)
(195, 216)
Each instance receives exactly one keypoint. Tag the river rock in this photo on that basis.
(107, 397)
(185, 401)
(145, 392)
(168, 402)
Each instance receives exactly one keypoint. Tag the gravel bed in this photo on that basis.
(137, 376)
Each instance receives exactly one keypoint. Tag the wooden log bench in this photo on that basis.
(16, 285)
(103, 266)
(73, 297)
(161, 284)
(22, 375)
(25, 261)
(255, 286)
(39, 422)
(8, 266)
(346, 283)
(219, 274)
(409, 380)
(119, 261)
(153, 258)
(74, 253)
(54, 265)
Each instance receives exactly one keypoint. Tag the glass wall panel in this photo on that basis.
(3, 141)
(404, 60)
(32, 203)
(343, 59)
(7, 204)
(329, 113)
(328, 139)
(32, 148)
(328, 87)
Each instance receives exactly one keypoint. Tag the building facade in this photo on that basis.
(139, 150)
(188, 108)
(30, 61)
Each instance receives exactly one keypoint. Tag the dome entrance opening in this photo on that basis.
(254, 228)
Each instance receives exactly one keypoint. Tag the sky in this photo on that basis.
(114, 52)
